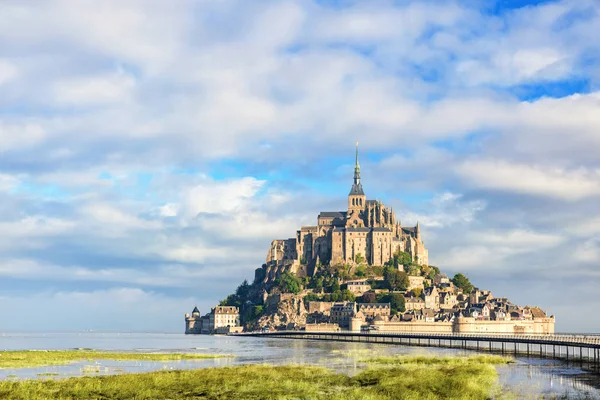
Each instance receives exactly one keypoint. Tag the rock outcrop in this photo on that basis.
(283, 311)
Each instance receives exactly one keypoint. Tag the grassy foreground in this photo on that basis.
(467, 379)
(36, 358)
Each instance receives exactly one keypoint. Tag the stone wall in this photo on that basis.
(322, 328)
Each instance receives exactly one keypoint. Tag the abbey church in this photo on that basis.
(367, 231)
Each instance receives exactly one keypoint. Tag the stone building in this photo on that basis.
(219, 317)
(358, 287)
(372, 310)
(341, 314)
(367, 231)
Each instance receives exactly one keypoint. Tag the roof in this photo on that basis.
(374, 305)
(372, 202)
(357, 190)
(196, 310)
(379, 229)
(332, 214)
(408, 230)
(352, 229)
(537, 312)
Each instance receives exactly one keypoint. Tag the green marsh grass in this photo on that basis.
(432, 360)
(37, 358)
(467, 379)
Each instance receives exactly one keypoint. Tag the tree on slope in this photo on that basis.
(462, 282)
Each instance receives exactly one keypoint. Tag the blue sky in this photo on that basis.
(150, 151)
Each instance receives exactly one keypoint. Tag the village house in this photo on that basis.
(432, 298)
(425, 315)
(341, 313)
(479, 311)
(372, 310)
(414, 303)
(358, 287)
(440, 279)
(221, 319)
(447, 300)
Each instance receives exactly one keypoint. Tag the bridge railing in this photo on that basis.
(575, 339)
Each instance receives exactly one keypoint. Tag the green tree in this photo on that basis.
(413, 269)
(360, 271)
(337, 296)
(359, 259)
(433, 271)
(288, 283)
(397, 303)
(416, 292)
(348, 295)
(231, 300)
(335, 286)
(395, 279)
(368, 297)
(462, 282)
(401, 258)
(243, 291)
(310, 297)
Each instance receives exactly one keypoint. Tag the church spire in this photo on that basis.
(356, 168)
(357, 189)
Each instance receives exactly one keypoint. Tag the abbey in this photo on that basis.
(366, 232)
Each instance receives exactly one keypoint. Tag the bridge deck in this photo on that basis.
(584, 348)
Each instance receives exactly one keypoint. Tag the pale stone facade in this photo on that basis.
(221, 319)
(367, 231)
(358, 287)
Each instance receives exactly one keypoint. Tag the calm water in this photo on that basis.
(528, 377)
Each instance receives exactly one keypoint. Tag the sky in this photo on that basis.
(151, 150)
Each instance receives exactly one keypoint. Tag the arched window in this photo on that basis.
(352, 201)
(361, 202)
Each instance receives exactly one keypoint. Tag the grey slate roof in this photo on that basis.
(332, 214)
(352, 229)
(379, 229)
(357, 190)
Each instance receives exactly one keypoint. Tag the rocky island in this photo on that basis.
(361, 269)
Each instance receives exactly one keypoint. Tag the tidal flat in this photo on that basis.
(410, 378)
(37, 358)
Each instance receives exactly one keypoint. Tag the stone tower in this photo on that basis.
(356, 199)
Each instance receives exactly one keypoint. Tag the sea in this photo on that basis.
(527, 378)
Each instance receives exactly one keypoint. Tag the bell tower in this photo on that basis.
(357, 200)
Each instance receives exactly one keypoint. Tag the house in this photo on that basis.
(479, 311)
(414, 303)
(431, 298)
(480, 296)
(448, 300)
(372, 310)
(358, 287)
(223, 317)
(499, 315)
(341, 313)
(425, 315)
(440, 279)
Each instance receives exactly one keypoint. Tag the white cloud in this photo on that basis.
(16, 136)
(90, 90)
(536, 180)
(8, 71)
(489, 250)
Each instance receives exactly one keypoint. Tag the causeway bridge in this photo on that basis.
(569, 347)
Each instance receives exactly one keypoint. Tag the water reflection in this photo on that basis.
(528, 377)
